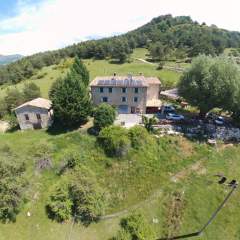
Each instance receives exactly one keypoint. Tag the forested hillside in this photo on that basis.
(165, 36)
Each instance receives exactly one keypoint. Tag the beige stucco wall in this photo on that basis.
(115, 97)
(153, 91)
(46, 117)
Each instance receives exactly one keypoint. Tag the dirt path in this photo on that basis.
(145, 61)
(196, 167)
(172, 68)
(154, 196)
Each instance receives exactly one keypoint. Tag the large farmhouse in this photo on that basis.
(129, 94)
(35, 114)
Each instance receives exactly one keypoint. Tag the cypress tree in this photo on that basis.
(80, 69)
(70, 97)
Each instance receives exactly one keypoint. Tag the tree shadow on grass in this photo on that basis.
(115, 61)
(58, 128)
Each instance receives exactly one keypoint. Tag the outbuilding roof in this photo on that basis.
(38, 102)
(124, 81)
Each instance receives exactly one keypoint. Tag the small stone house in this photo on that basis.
(35, 114)
(129, 94)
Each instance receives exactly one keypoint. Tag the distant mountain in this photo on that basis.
(5, 59)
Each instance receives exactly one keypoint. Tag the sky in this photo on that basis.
(31, 26)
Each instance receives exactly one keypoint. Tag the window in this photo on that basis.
(105, 99)
(38, 116)
(136, 90)
(110, 90)
(101, 89)
(135, 99)
(124, 90)
(26, 117)
(124, 99)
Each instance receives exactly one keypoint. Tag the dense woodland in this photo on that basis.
(164, 36)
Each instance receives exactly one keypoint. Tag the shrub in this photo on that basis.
(122, 235)
(59, 206)
(149, 122)
(135, 227)
(104, 116)
(3, 108)
(12, 120)
(138, 136)
(69, 161)
(81, 198)
(87, 196)
(114, 140)
(12, 186)
(13, 99)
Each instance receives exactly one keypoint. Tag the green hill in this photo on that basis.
(177, 38)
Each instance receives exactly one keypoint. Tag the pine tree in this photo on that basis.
(70, 97)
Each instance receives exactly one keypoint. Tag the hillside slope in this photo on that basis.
(180, 36)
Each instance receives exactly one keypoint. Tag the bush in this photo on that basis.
(12, 120)
(104, 116)
(135, 227)
(69, 161)
(115, 141)
(81, 198)
(3, 108)
(138, 136)
(59, 206)
(13, 99)
(87, 196)
(149, 122)
(12, 186)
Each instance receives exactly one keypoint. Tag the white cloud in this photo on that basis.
(56, 23)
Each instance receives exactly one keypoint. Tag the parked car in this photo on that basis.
(211, 116)
(219, 121)
(174, 116)
(168, 109)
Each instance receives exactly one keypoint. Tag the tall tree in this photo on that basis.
(80, 70)
(31, 91)
(210, 82)
(70, 97)
(13, 98)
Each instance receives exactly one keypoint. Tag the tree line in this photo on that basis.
(176, 37)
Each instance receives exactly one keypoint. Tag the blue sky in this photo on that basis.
(30, 26)
(11, 8)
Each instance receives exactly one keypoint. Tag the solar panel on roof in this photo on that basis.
(100, 82)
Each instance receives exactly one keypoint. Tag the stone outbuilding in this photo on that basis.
(35, 114)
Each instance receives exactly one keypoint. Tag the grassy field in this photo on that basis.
(170, 179)
(100, 68)
(147, 179)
